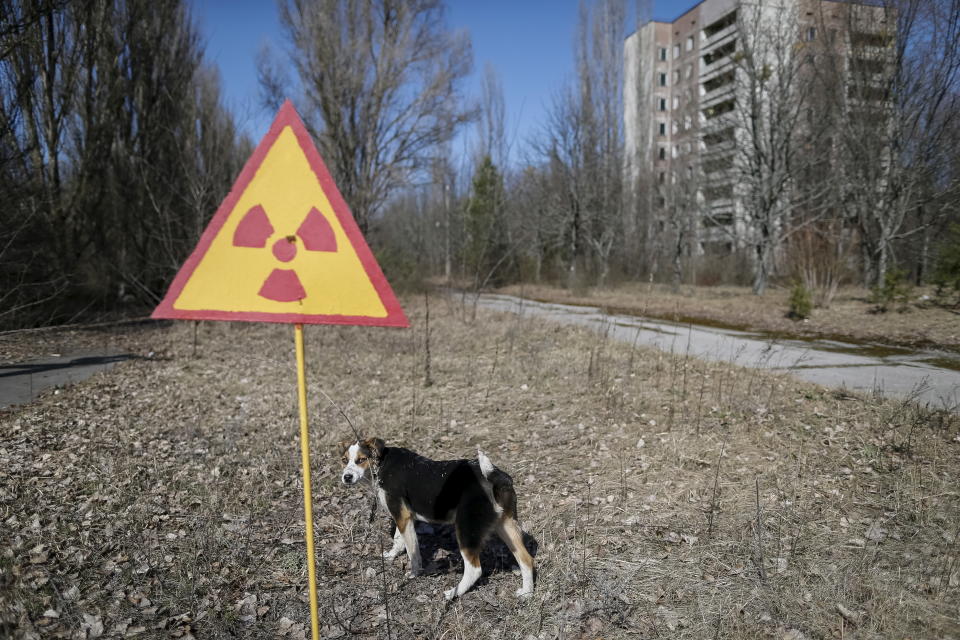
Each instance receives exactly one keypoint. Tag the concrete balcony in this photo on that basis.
(718, 36)
(719, 96)
(715, 143)
(720, 208)
(718, 86)
(718, 54)
(723, 116)
(717, 219)
(708, 72)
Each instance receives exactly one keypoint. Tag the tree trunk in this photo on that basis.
(677, 263)
(923, 259)
(761, 269)
(883, 254)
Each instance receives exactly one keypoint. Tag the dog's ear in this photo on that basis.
(343, 445)
(376, 447)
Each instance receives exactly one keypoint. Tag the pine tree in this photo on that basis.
(487, 250)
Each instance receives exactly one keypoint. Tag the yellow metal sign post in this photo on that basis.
(307, 494)
(284, 247)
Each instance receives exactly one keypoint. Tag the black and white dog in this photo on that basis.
(473, 495)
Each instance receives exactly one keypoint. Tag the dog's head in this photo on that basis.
(359, 458)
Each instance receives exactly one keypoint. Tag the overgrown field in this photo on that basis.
(663, 496)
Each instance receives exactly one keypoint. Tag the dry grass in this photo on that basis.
(851, 314)
(162, 499)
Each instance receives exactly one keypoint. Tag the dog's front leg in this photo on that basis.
(409, 537)
(403, 518)
(397, 545)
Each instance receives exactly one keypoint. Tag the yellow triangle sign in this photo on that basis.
(283, 247)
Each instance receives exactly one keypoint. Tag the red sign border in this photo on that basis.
(287, 116)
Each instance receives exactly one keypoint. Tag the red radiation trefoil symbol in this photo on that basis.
(315, 234)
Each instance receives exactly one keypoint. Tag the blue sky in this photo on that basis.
(529, 43)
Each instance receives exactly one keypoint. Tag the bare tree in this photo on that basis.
(492, 118)
(559, 147)
(599, 57)
(533, 199)
(445, 183)
(103, 107)
(380, 82)
(582, 142)
(766, 112)
(901, 105)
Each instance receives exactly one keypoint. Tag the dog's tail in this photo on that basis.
(498, 486)
(486, 467)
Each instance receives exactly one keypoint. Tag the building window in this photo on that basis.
(722, 192)
(866, 92)
(674, 151)
(689, 71)
(662, 177)
(663, 79)
(811, 34)
(862, 39)
(662, 153)
(676, 77)
(663, 104)
(867, 65)
(676, 102)
(663, 53)
(675, 127)
(663, 128)
(689, 43)
(676, 51)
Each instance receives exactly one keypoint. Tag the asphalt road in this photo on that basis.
(21, 383)
(930, 378)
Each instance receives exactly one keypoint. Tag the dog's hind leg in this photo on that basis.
(471, 571)
(474, 520)
(511, 534)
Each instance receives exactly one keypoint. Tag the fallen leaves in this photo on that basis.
(92, 626)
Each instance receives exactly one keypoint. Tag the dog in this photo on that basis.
(473, 495)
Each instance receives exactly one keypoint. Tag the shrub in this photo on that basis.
(816, 256)
(801, 303)
(404, 272)
(894, 290)
(946, 273)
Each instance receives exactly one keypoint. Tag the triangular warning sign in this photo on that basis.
(283, 247)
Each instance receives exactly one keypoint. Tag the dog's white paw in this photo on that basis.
(414, 573)
(450, 594)
(388, 555)
(524, 593)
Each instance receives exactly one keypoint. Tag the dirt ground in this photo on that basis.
(662, 496)
(851, 315)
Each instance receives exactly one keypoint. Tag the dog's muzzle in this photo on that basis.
(349, 478)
